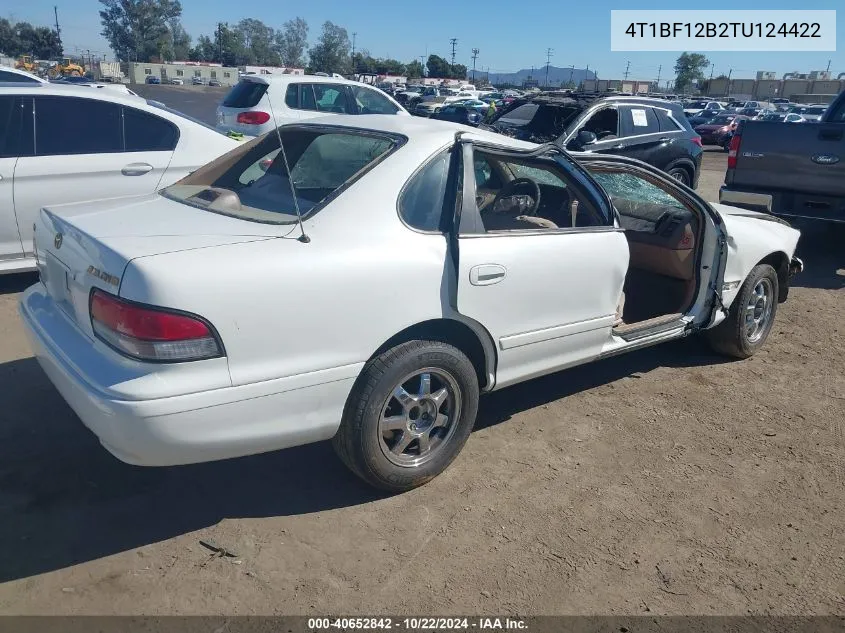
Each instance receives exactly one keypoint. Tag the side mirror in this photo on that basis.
(582, 139)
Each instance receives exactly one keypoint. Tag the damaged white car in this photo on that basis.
(370, 282)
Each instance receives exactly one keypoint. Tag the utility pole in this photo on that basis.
(354, 63)
(728, 85)
(627, 69)
(712, 66)
(549, 53)
(59, 31)
(828, 65)
(219, 42)
(571, 71)
(475, 52)
(659, 70)
(454, 43)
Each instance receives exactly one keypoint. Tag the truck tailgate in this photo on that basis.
(799, 157)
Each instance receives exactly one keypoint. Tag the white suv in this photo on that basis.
(252, 106)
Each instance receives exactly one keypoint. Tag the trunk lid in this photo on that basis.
(88, 245)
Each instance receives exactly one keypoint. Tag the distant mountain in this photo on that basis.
(557, 76)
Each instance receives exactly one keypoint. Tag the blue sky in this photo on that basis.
(577, 30)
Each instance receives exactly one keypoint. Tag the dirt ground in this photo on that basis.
(667, 481)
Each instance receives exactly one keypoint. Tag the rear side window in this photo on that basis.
(292, 96)
(5, 76)
(636, 121)
(246, 94)
(253, 183)
(665, 121)
(72, 125)
(148, 133)
(421, 203)
(372, 102)
(838, 115)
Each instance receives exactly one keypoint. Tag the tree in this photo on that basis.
(458, 71)
(179, 40)
(390, 67)
(437, 67)
(331, 52)
(134, 28)
(22, 38)
(291, 42)
(257, 40)
(414, 69)
(689, 68)
(204, 51)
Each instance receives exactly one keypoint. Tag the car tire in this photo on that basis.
(680, 174)
(751, 316)
(382, 435)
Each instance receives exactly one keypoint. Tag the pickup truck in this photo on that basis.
(789, 170)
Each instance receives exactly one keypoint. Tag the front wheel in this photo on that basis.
(751, 316)
(681, 175)
(409, 415)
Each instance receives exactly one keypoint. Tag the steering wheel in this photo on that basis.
(520, 187)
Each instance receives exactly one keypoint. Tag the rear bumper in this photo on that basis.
(195, 427)
(787, 204)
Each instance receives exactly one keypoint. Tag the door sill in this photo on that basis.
(642, 329)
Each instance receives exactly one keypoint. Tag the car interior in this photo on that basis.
(663, 234)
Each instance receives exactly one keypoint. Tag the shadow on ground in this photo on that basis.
(10, 284)
(822, 248)
(64, 500)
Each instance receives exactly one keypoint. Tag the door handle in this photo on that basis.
(664, 139)
(136, 169)
(486, 274)
(620, 146)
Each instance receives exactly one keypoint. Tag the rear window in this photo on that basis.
(520, 115)
(253, 183)
(245, 94)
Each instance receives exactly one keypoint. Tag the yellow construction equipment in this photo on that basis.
(25, 63)
(67, 68)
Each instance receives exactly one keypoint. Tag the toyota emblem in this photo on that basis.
(57, 241)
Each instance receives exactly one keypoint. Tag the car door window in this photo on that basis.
(332, 98)
(73, 125)
(371, 102)
(604, 124)
(537, 194)
(145, 132)
(422, 200)
(306, 97)
(637, 121)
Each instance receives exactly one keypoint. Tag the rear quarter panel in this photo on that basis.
(285, 308)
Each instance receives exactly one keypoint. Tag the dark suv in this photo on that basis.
(651, 130)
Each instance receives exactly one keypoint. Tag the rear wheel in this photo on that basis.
(681, 175)
(409, 415)
(751, 316)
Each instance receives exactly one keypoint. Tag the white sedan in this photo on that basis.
(370, 282)
(72, 143)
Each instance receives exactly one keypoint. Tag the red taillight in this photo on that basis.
(733, 150)
(253, 118)
(697, 141)
(150, 333)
